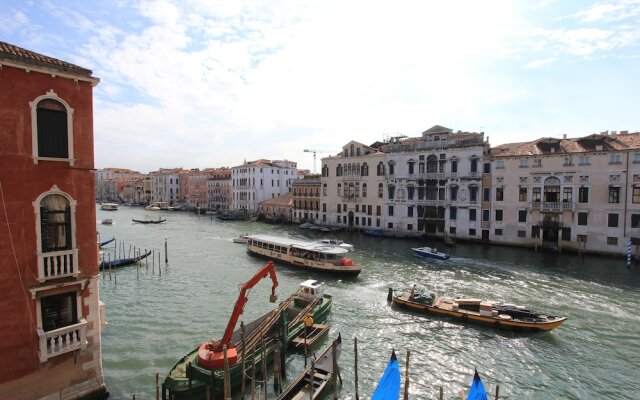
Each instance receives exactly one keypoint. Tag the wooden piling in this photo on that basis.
(276, 371)
(253, 372)
(441, 393)
(355, 351)
(497, 391)
(264, 365)
(157, 386)
(166, 255)
(153, 260)
(146, 260)
(311, 376)
(130, 252)
(243, 355)
(406, 377)
(227, 382)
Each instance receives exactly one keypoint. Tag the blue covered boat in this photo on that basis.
(429, 252)
(477, 390)
(389, 385)
(121, 262)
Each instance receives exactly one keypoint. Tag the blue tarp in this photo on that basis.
(389, 384)
(477, 390)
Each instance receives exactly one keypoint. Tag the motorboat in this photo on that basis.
(430, 252)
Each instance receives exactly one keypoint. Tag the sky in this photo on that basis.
(203, 83)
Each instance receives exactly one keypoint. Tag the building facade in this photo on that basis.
(49, 289)
(256, 181)
(306, 200)
(579, 194)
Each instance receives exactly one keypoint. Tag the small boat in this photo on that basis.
(312, 336)
(121, 262)
(304, 254)
(308, 225)
(497, 314)
(230, 216)
(109, 206)
(152, 207)
(148, 221)
(317, 380)
(477, 390)
(430, 252)
(328, 228)
(106, 242)
(389, 384)
(107, 221)
(335, 242)
(242, 239)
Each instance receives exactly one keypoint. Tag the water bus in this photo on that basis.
(304, 254)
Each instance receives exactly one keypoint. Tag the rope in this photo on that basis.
(15, 257)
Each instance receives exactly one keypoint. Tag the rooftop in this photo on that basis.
(15, 54)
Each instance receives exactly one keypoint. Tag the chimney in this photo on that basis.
(564, 136)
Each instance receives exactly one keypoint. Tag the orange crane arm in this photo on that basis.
(270, 269)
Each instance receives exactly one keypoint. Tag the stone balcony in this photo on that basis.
(62, 340)
(552, 206)
(58, 264)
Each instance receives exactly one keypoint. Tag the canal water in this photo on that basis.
(156, 316)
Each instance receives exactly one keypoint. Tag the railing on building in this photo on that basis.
(62, 340)
(351, 198)
(58, 264)
(552, 206)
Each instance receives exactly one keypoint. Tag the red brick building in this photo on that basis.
(49, 301)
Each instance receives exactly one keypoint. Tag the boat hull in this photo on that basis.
(422, 252)
(494, 322)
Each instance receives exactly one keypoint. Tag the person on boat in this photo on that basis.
(308, 324)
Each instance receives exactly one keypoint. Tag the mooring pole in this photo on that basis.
(166, 255)
(355, 351)
(406, 377)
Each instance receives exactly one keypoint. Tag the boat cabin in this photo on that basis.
(312, 289)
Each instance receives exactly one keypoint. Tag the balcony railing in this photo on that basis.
(552, 206)
(351, 198)
(63, 340)
(57, 264)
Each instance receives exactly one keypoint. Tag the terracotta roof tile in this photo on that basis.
(615, 142)
(10, 52)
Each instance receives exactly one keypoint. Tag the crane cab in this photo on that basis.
(311, 289)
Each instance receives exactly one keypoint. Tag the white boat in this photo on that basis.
(109, 206)
(152, 207)
(336, 242)
(304, 254)
(429, 252)
(242, 239)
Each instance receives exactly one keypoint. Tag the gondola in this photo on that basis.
(323, 376)
(121, 262)
(148, 221)
(389, 384)
(106, 242)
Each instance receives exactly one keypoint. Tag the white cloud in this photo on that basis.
(609, 12)
(540, 63)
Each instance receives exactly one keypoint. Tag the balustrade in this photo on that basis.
(57, 264)
(553, 206)
(62, 340)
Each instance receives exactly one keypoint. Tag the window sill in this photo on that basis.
(71, 161)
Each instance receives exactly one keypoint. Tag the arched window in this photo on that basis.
(454, 193)
(55, 223)
(365, 169)
(358, 170)
(339, 189)
(52, 129)
(325, 170)
(339, 170)
(364, 190)
(392, 191)
(411, 166)
(380, 190)
(324, 189)
(410, 192)
(391, 167)
(380, 168)
(432, 164)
